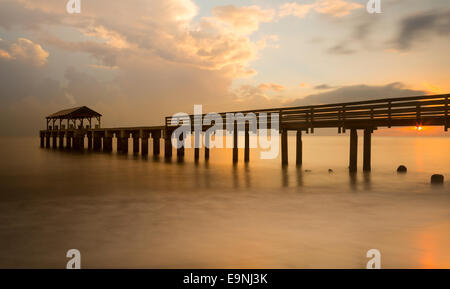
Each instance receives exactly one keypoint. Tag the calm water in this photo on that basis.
(133, 212)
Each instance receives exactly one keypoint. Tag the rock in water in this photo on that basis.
(437, 179)
(402, 169)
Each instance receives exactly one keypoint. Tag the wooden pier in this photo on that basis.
(67, 129)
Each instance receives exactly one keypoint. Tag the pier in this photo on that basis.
(69, 128)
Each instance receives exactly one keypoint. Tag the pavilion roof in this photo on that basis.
(76, 112)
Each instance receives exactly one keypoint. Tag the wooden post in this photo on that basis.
(299, 148)
(235, 143)
(89, 137)
(284, 147)
(97, 143)
(61, 140)
(167, 144)
(156, 136)
(144, 143)
(54, 140)
(75, 144)
(197, 145)
(247, 144)
(446, 114)
(122, 142)
(107, 143)
(68, 141)
(180, 145)
(207, 144)
(367, 149)
(135, 143)
(353, 150)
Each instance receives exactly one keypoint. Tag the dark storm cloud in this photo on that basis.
(357, 93)
(421, 26)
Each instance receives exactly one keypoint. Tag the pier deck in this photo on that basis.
(368, 116)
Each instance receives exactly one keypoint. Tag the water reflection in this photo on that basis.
(149, 212)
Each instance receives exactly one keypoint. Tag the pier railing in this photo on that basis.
(404, 111)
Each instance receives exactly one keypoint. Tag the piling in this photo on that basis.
(156, 136)
(207, 144)
(144, 143)
(107, 143)
(235, 143)
(299, 160)
(353, 166)
(135, 143)
(367, 149)
(284, 147)
(167, 144)
(247, 144)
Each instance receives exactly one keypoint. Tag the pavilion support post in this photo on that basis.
(284, 147)
(247, 144)
(144, 143)
(235, 143)
(156, 136)
(299, 160)
(367, 149)
(135, 143)
(353, 166)
(167, 144)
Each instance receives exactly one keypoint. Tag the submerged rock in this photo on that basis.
(437, 179)
(402, 169)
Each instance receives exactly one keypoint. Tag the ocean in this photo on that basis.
(126, 211)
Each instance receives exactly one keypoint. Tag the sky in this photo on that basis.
(138, 61)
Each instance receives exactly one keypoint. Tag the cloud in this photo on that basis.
(341, 49)
(244, 20)
(25, 50)
(246, 96)
(5, 54)
(295, 9)
(421, 26)
(270, 86)
(357, 93)
(323, 87)
(167, 29)
(335, 8)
